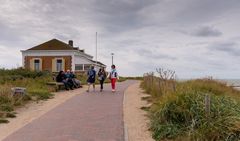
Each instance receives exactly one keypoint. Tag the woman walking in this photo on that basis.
(113, 77)
(101, 77)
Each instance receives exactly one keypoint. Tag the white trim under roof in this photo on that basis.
(83, 55)
(47, 53)
(53, 52)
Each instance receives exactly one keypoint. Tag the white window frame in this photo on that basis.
(89, 66)
(79, 65)
(61, 66)
(34, 64)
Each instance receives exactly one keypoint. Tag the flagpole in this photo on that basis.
(96, 49)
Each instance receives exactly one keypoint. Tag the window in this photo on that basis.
(79, 67)
(87, 66)
(37, 65)
(59, 65)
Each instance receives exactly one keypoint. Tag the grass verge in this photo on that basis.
(202, 109)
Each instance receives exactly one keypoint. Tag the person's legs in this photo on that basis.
(94, 87)
(76, 83)
(89, 84)
(113, 82)
(70, 83)
(65, 84)
(101, 83)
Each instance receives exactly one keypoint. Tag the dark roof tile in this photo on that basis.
(53, 44)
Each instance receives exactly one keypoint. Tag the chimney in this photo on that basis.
(70, 42)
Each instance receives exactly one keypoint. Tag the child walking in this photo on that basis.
(113, 75)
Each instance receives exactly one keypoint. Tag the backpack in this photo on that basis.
(91, 73)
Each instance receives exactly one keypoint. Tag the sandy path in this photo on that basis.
(34, 110)
(134, 118)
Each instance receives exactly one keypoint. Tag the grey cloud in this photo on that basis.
(199, 11)
(9, 36)
(206, 31)
(154, 54)
(113, 15)
(120, 15)
(7, 33)
(140, 32)
(231, 48)
(184, 13)
(202, 31)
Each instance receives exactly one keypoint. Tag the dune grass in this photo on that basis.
(34, 82)
(180, 110)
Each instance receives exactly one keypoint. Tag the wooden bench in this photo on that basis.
(57, 85)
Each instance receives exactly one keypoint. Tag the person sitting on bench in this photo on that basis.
(69, 78)
(61, 77)
(76, 82)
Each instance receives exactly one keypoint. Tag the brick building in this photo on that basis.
(55, 55)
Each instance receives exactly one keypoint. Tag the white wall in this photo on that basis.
(81, 60)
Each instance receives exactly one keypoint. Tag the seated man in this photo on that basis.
(76, 82)
(69, 79)
(61, 77)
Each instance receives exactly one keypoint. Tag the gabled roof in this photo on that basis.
(99, 63)
(53, 44)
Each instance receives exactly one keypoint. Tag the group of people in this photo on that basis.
(69, 80)
(102, 75)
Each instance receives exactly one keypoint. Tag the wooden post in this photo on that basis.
(159, 85)
(207, 105)
(174, 85)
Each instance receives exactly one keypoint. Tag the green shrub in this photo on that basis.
(41, 94)
(6, 107)
(4, 99)
(34, 82)
(185, 115)
(19, 74)
(179, 113)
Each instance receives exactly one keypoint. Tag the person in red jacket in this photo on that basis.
(113, 75)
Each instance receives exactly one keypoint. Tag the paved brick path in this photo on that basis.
(90, 116)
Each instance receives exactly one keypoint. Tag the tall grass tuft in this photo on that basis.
(34, 82)
(180, 110)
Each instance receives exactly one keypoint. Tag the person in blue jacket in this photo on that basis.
(91, 78)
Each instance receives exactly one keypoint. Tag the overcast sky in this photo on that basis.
(196, 38)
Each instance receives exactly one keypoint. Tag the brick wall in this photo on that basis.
(47, 61)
